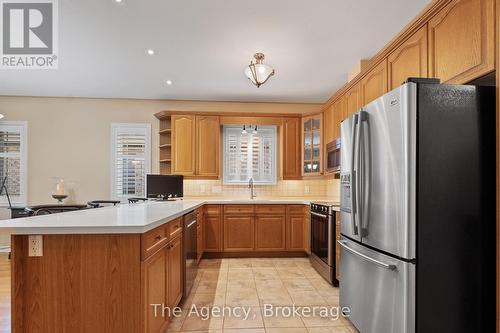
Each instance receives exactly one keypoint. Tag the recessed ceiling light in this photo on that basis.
(118, 1)
(151, 51)
(169, 82)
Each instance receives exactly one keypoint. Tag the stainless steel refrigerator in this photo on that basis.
(418, 210)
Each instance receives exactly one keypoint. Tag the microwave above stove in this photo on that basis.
(333, 156)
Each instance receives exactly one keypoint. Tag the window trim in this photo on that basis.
(225, 181)
(147, 162)
(21, 200)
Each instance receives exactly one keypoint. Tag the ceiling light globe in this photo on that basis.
(258, 72)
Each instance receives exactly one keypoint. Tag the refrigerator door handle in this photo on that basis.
(367, 258)
(358, 173)
(352, 180)
(365, 153)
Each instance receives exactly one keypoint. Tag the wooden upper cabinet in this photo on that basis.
(183, 145)
(461, 41)
(338, 113)
(312, 149)
(352, 101)
(207, 146)
(328, 119)
(374, 84)
(408, 60)
(291, 148)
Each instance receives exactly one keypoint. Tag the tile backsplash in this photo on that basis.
(320, 188)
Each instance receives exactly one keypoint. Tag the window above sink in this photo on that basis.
(249, 152)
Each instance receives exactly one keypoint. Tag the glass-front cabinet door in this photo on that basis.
(311, 142)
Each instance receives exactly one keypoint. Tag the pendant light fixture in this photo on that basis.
(258, 72)
(244, 130)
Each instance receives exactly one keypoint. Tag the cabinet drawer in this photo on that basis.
(153, 240)
(295, 209)
(174, 227)
(212, 209)
(238, 209)
(270, 209)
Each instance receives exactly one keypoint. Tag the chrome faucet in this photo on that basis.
(252, 189)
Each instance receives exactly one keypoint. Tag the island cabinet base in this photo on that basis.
(91, 283)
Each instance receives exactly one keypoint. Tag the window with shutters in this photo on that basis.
(131, 155)
(250, 155)
(13, 161)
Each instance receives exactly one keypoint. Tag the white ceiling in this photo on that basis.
(203, 47)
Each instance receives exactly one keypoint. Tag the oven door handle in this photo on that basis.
(319, 215)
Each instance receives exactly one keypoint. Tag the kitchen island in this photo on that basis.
(101, 269)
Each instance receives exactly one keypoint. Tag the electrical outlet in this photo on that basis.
(202, 188)
(306, 189)
(216, 189)
(35, 243)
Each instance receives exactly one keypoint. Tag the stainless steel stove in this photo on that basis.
(323, 240)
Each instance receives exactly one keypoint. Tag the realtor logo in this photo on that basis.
(29, 34)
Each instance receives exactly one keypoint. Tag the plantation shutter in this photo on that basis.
(13, 161)
(251, 155)
(131, 159)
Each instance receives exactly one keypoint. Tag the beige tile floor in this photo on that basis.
(253, 283)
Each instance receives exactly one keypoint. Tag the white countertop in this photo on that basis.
(125, 218)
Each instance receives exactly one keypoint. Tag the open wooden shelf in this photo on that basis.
(165, 145)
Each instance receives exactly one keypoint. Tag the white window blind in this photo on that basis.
(13, 161)
(251, 155)
(131, 154)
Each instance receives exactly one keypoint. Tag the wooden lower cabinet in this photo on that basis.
(199, 243)
(155, 272)
(270, 233)
(162, 284)
(212, 229)
(295, 226)
(199, 233)
(255, 228)
(239, 233)
(337, 245)
(101, 283)
(175, 274)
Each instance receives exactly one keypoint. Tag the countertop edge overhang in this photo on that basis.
(135, 218)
